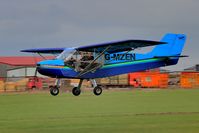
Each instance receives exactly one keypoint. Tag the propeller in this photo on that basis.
(36, 70)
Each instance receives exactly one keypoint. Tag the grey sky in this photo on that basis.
(65, 23)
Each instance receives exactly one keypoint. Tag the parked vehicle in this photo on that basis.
(34, 83)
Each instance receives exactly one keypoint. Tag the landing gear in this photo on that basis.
(54, 90)
(76, 90)
(97, 89)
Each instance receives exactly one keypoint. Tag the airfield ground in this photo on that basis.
(137, 111)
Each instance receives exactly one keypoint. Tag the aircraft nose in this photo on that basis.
(50, 67)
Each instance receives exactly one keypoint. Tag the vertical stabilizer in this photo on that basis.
(174, 46)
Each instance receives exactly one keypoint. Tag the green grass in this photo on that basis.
(112, 112)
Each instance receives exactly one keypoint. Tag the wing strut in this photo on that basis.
(41, 56)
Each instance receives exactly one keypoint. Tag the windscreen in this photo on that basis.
(66, 54)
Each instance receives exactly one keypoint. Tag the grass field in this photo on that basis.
(161, 111)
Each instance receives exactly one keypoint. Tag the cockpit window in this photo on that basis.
(79, 60)
(66, 54)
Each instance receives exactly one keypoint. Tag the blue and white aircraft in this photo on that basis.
(107, 59)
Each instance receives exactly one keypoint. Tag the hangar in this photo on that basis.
(19, 66)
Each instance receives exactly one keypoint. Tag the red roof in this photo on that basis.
(22, 60)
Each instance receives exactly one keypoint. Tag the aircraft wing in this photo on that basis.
(118, 46)
(45, 50)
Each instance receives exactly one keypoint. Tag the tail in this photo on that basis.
(173, 47)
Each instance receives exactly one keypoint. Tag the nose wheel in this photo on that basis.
(54, 90)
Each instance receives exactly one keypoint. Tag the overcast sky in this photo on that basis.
(66, 23)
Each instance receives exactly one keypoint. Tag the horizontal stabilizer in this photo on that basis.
(179, 56)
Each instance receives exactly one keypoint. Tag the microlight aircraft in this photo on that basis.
(107, 59)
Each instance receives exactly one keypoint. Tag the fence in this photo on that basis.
(149, 79)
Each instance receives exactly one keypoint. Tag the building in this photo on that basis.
(19, 66)
(22, 72)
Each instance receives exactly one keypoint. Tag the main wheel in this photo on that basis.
(76, 91)
(97, 90)
(54, 90)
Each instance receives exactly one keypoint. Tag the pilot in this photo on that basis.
(70, 62)
(85, 60)
(87, 57)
